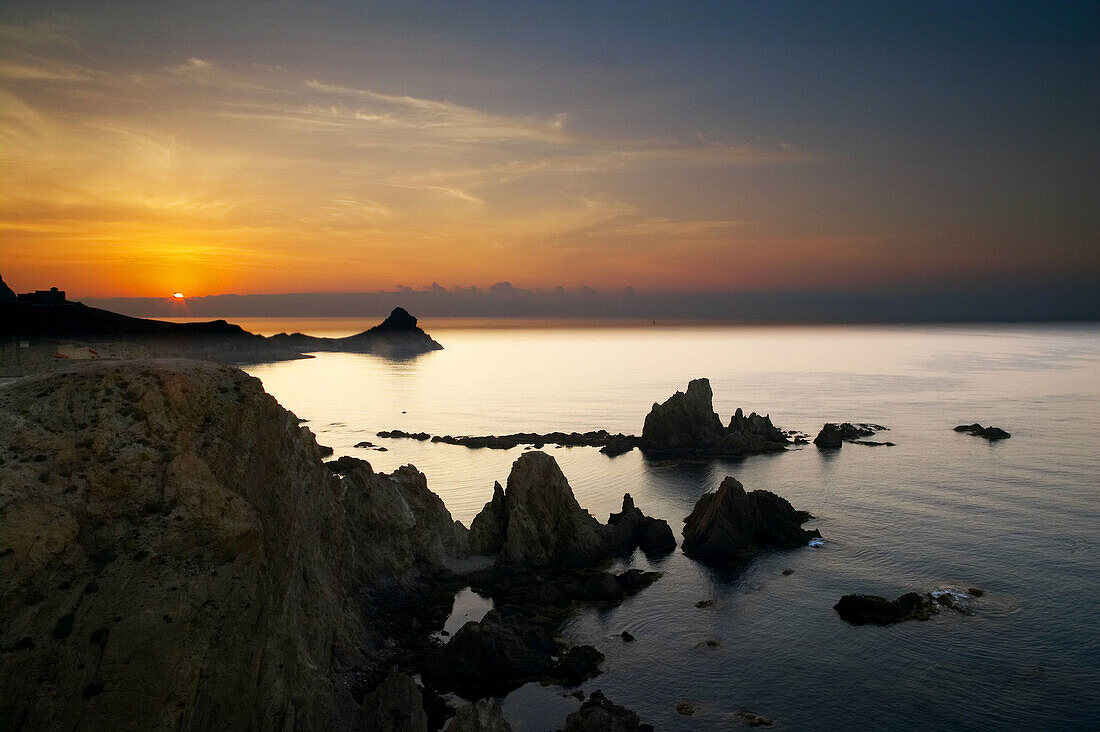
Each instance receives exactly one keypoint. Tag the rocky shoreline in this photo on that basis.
(177, 553)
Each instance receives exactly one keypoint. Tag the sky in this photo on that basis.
(150, 148)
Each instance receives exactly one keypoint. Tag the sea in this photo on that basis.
(1018, 519)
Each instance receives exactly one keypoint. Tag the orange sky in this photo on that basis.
(185, 166)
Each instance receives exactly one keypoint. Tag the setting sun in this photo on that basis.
(178, 295)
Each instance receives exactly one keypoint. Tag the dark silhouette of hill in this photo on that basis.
(397, 336)
(48, 318)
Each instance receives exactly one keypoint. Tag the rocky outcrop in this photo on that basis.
(989, 433)
(731, 524)
(600, 714)
(631, 528)
(537, 522)
(833, 435)
(175, 554)
(686, 425)
(864, 609)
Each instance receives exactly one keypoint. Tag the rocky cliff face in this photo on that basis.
(686, 425)
(731, 524)
(175, 554)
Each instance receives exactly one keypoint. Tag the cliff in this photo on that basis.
(175, 554)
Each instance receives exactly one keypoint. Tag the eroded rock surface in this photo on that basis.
(731, 524)
(175, 554)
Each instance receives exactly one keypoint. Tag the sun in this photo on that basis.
(178, 295)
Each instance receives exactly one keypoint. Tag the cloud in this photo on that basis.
(279, 168)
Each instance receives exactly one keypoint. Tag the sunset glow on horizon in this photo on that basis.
(359, 149)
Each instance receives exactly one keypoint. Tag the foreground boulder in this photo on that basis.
(989, 433)
(537, 522)
(864, 609)
(731, 524)
(396, 705)
(175, 554)
(686, 425)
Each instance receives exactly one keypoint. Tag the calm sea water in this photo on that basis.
(1019, 519)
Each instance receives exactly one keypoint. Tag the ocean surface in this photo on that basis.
(1019, 519)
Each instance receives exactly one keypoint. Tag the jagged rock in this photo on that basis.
(989, 433)
(599, 714)
(178, 556)
(686, 425)
(610, 444)
(619, 446)
(484, 715)
(626, 636)
(863, 609)
(631, 528)
(489, 528)
(396, 705)
(731, 524)
(537, 522)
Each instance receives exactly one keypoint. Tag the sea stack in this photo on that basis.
(730, 524)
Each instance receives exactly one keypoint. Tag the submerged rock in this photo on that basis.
(600, 714)
(686, 425)
(989, 433)
(731, 524)
(864, 609)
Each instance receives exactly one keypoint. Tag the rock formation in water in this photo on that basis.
(864, 609)
(174, 553)
(731, 524)
(537, 522)
(833, 435)
(989, 433)
(610, 444)
(686, 425)
(398, 336)
(600, 714)
(630, 528)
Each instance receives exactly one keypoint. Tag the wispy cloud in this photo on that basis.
(258, 162)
